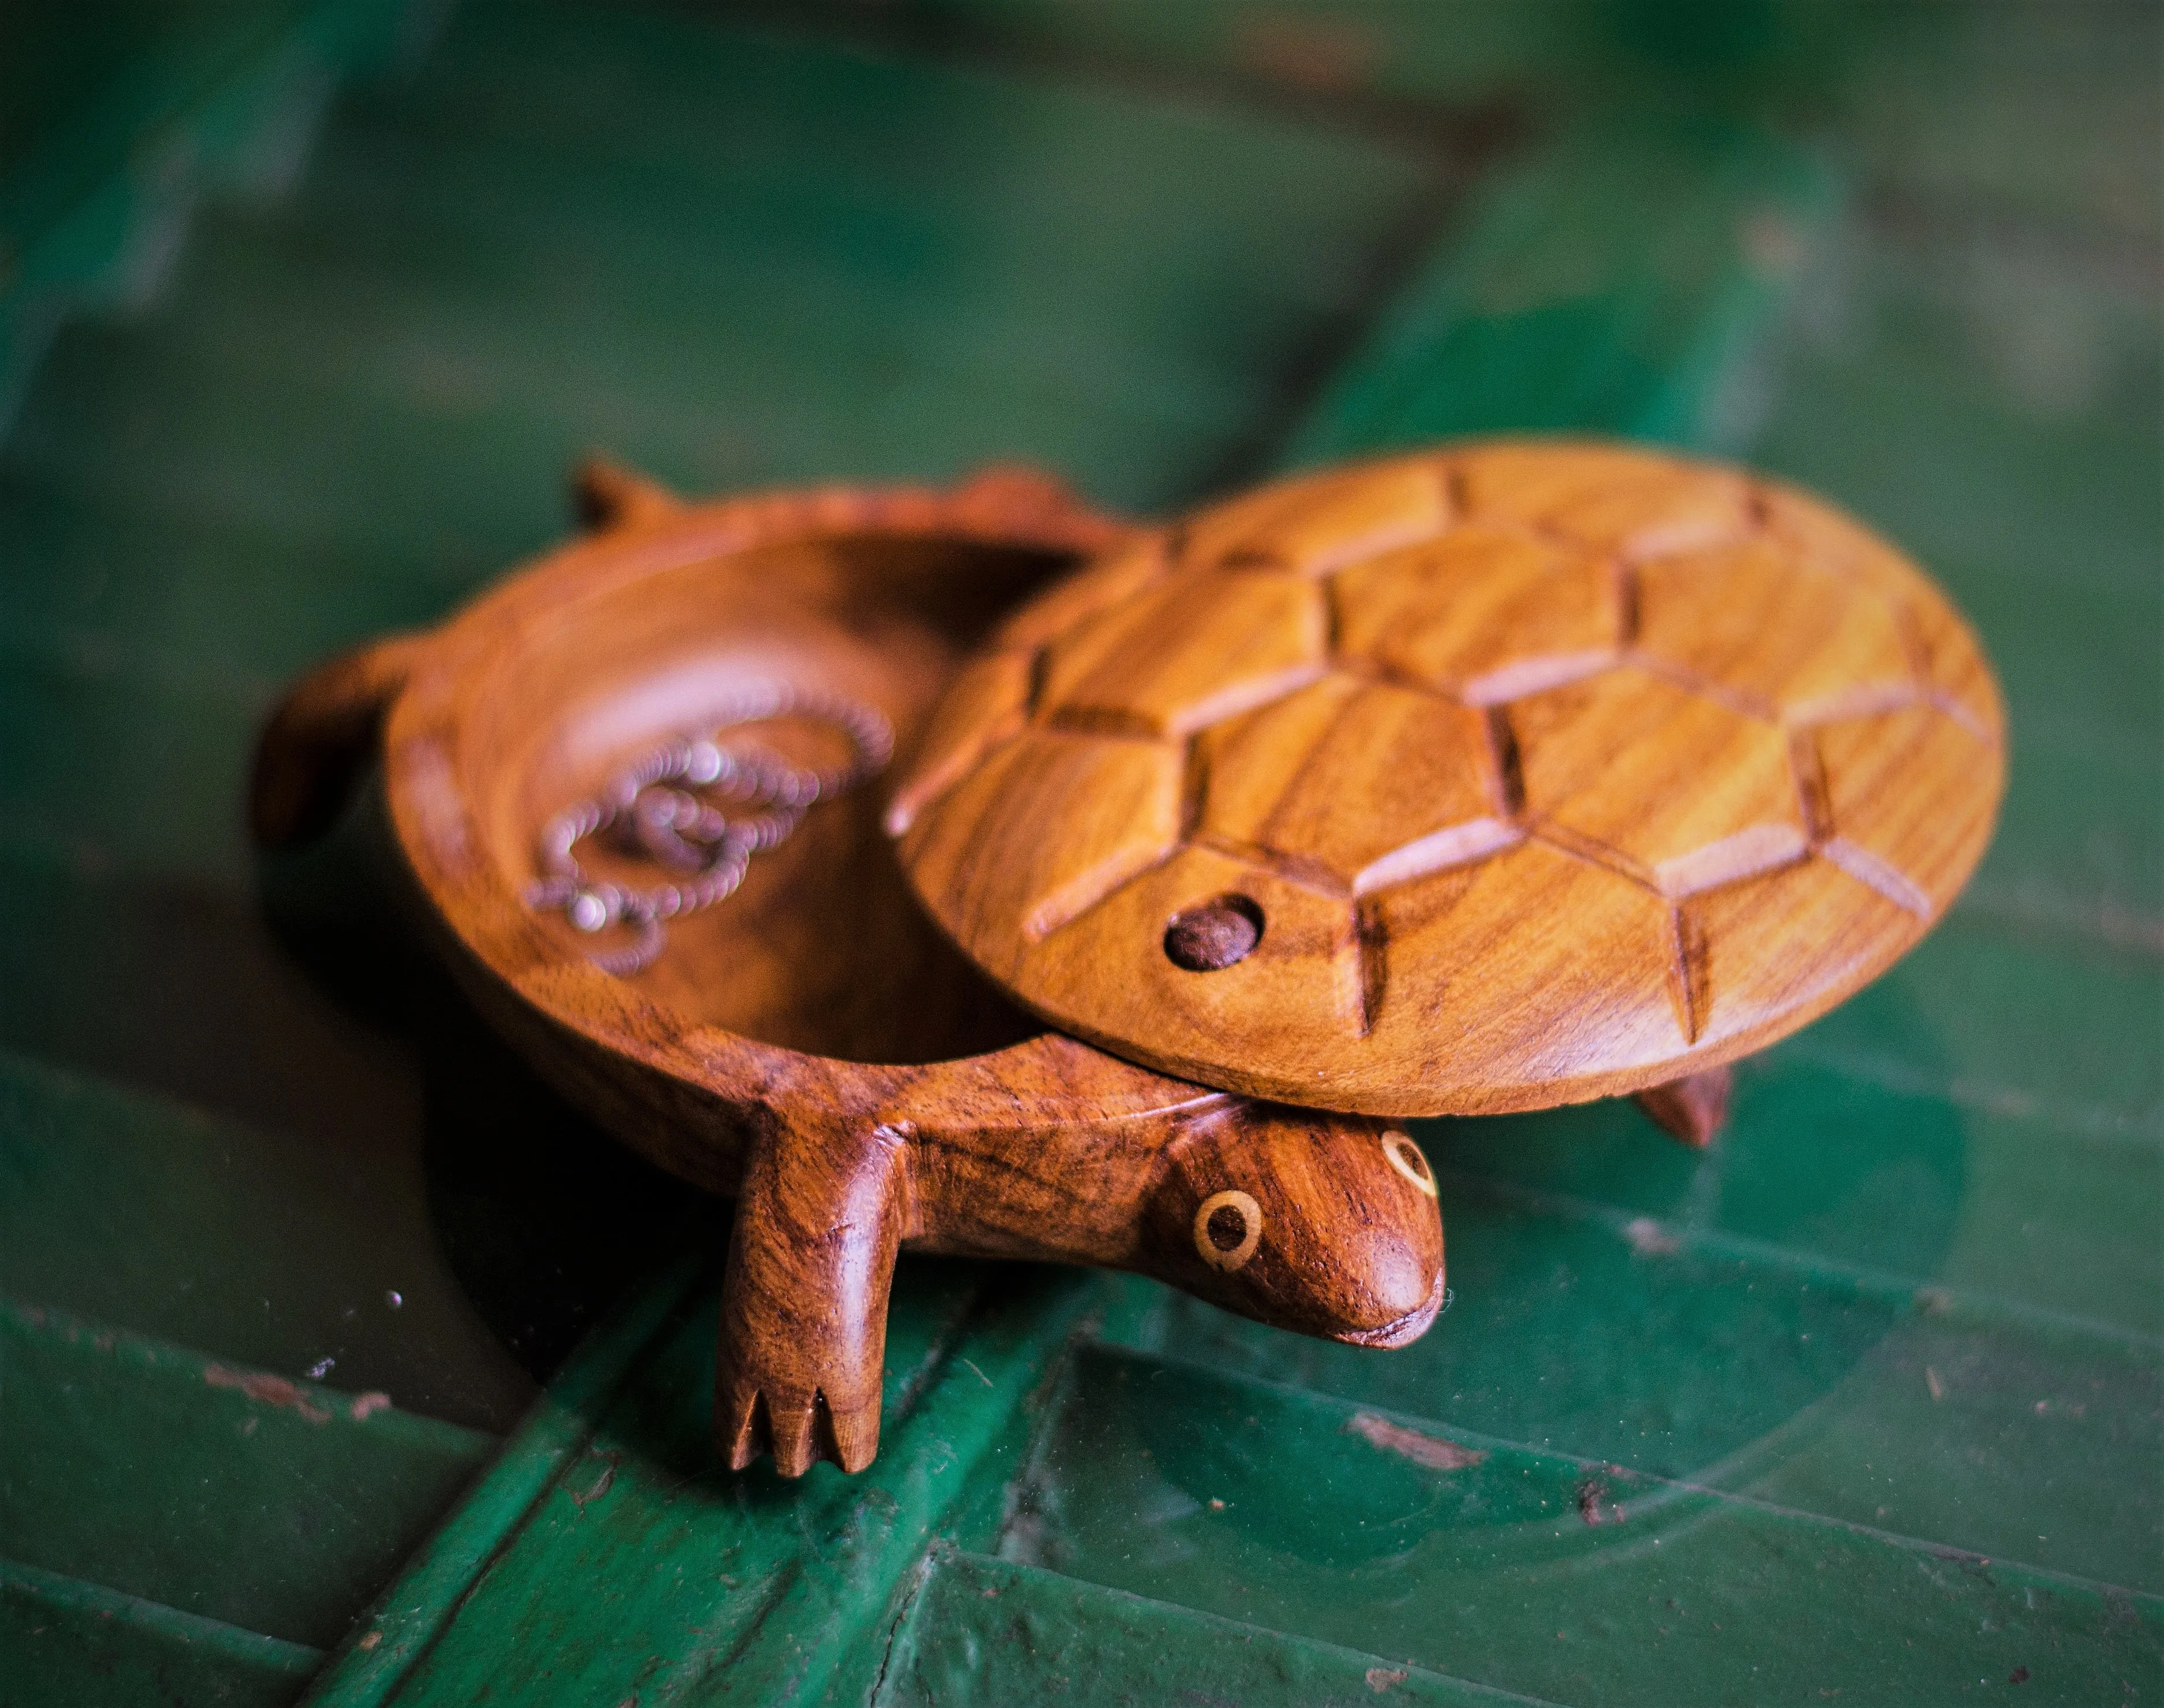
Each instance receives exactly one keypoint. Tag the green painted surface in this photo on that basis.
(1562, 306)
(2042, 112)
(1565, 1578)
(658, 1574)
(243, 1240)
(115, 118)
(1398, 56)
(1875, 1384)
(1895, 1188)
(980, 1632)
(409, 1618)
(61, 1641)
(309, 1497)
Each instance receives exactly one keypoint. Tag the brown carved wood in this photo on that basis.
(1547, 769)
(813, 1046)
(1693, 1109)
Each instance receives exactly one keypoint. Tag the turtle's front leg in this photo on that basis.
(803, 1338)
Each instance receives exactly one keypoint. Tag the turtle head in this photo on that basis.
(1321, 1223)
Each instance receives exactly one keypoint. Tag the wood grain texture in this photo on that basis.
(806, 1047)
(1556, 769)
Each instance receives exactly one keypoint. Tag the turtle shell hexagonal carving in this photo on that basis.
(1547, 770)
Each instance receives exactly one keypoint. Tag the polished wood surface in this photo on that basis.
(1550, 769)
(813, 1046)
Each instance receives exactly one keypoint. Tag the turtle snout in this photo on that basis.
(1398, 1252)
(1400, 1293)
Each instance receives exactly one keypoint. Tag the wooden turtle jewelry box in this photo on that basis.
(1505, 776)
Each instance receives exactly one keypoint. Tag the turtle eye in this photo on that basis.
(1405, 1157)
(1215, 934)
(1226, 1227)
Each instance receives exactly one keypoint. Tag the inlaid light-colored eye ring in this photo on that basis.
(1228, 1258)
(1405, 1156)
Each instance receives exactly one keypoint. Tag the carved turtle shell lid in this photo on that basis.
(1511, 773)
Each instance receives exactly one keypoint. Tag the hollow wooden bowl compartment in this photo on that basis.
(820, 951)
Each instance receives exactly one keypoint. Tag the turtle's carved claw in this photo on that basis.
(803, 1333)
(799, 1436)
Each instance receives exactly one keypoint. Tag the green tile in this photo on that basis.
(2055, 1436)
(132, 1461)
(1557, 308)
(147, 774)
(504, 1224)
(64, 1642)
(2080, 844)
(2077, 661)
(1403, 58)
(2050, 113)
(106, 973)
(2014, 1024)
(1920, 394)
(262, 1250)
(882, 309)
(644, 1569)
(138, 592)
(981, 1631)
(58, 63)
(1840, 1173)
(108, 156)
(554, 1434)
(1559, 1576)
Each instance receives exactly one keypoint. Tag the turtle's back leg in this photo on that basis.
(1693, 1108)
(803, 1334)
